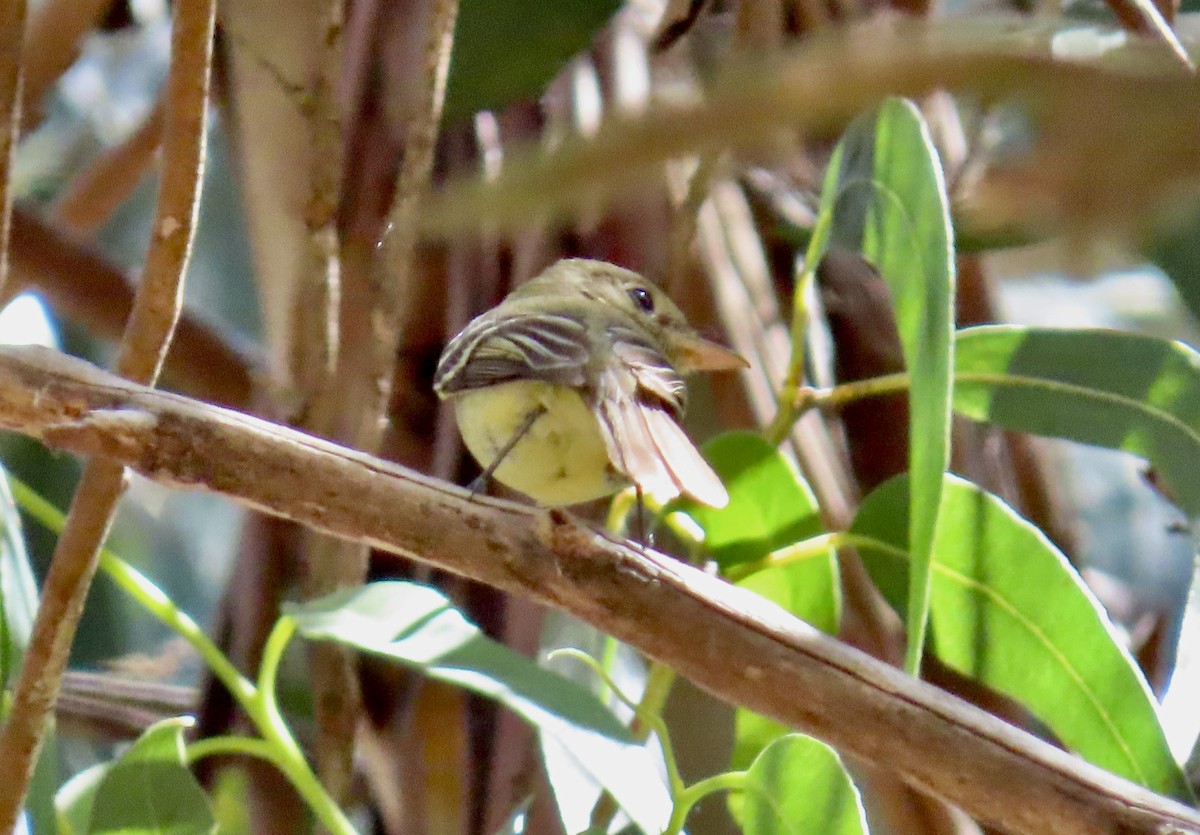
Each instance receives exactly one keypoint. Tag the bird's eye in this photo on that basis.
(642, 298)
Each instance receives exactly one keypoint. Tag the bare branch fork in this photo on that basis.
(734, 644)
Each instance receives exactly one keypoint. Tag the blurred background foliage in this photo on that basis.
(1071, 209)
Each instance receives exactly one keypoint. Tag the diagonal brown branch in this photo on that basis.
(12, 33)
(729, 641)
(143, 349)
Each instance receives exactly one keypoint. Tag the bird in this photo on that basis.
(571, 389)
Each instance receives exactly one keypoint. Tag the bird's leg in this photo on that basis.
(639, 523)
(480, 483)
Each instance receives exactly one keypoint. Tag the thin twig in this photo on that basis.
(12, 33)
(338, 565)
(751, 653)
(396, 260)
(143, 349)
(99, 190)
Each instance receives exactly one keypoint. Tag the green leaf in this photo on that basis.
(771, 510)
(581, 764)
(1176, 251)
(147, 789)
(419, 627)
(18, 590)
(73, 803)
(1112, 389)
(797, 786)
(892, 207)
(1009, 611)
(770, 504)
(511, 50)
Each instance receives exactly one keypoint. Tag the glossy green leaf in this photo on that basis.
(1009, 611)
(1108, 388)
(770, 504)
(18, 606)
(147, 789)
(580, 764)
(511, 50)
(797, 786)
(18, 591)
(73, 802)
(892, 207)
(771, 510)
(419, 627)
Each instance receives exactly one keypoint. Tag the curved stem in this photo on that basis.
(814, 547)
(689, 797)
(787, 414)
(849, 392)
(277, 745)
(288, 757)
(214, 746)
(146, 593)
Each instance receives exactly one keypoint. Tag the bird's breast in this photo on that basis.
(561, 460)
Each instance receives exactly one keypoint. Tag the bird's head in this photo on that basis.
(637, 298)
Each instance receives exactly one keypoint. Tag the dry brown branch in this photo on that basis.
(1081, 111)
(113, 707)
(96, 192)
(81, 285)
(12, 31)
(147, 336)
(731, 642)
(1146, 17)
(367, 394)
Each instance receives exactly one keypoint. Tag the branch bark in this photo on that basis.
(143, 349)
(12, 38)
(734, 644)
(368, 391)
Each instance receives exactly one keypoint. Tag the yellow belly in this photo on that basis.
(560, 461)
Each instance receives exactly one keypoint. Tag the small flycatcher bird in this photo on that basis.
(571, 388)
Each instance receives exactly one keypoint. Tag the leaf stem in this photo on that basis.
(849, 392)
(214, 746)
(259, 701)
(813, 547)
(151, 598)
(805, 286)
(689, 797)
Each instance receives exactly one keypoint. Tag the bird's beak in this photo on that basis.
(698, 354)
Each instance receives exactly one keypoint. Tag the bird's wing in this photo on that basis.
(640, 399)
(499, 348)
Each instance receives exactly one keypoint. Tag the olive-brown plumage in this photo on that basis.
(584, 363)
